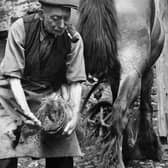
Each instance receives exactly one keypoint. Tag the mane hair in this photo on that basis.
(99, 30)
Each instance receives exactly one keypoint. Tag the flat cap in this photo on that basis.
(65, 3)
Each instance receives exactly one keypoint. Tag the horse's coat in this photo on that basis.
(139, 44)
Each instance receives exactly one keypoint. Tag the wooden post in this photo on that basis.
(162, 73)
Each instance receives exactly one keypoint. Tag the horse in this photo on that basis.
(122, 41)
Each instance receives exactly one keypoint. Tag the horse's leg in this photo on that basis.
(128, 90)
(147, 139)
(114, 89)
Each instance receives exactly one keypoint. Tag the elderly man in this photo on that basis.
(44, 54)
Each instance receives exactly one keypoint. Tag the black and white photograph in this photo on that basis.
(83, 83)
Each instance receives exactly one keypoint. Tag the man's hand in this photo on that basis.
(72, 93)
(72, 123)
(33, 121)
(18, 92)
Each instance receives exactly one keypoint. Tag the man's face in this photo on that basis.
(56, 19)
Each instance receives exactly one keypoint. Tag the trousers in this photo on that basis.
(62, 162)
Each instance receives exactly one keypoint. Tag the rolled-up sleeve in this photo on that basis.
(75, 62)
(13, 62)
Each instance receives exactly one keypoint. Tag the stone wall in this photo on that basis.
(11, 9)
(161, 73)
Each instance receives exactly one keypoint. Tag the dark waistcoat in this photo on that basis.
(54, 69)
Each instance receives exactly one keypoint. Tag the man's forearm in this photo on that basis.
(19, 95)
(72, 93)
(75, 96)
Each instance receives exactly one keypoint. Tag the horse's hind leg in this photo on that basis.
(147, 140)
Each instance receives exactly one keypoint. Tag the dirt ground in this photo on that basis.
(29, 163)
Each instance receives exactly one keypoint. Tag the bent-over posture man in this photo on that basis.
(44, 54)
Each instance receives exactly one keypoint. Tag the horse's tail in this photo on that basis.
(99, 30)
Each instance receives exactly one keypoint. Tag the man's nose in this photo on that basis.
(62, 23)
